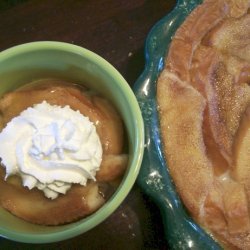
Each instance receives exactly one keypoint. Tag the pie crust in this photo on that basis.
(203, 95)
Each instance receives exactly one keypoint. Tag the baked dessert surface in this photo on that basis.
(79, 201)
(203, 97)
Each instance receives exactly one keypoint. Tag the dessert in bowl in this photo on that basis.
(72, 141)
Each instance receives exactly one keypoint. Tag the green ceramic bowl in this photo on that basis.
(32, 61)
(181, 232)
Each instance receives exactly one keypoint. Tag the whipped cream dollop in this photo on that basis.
(51, 147)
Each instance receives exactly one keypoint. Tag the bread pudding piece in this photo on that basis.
(79, 201)
(204, 101)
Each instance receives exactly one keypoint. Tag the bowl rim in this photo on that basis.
(110, 206)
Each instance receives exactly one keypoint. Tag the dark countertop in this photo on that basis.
(116, 30)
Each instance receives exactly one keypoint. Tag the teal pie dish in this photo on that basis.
(181, 231)
(47, 59)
